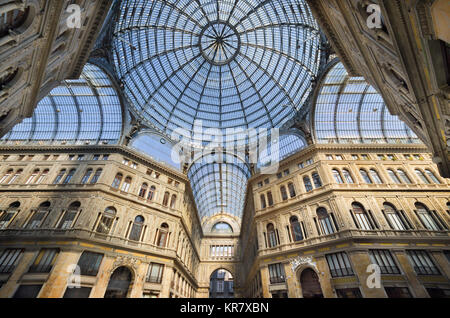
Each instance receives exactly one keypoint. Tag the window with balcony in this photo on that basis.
(276, 273)
(96, 176)
(8, 216)
(284, 195)
(69, 216)
(44, 262)
(337, 176)
(307, 183)
(38, 216)
(89, 263)
(325, 221)
(106, 220)
(69, 176)
(86, 176)
(385, 260)
(295, 229)
(339, 265)
(126, 184)
(59, 176)
(361, 217)
(117, 180)
(137, 227)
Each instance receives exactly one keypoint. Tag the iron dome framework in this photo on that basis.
(87, 110)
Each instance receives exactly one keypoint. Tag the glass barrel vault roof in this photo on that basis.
(349, 110)
(76, 112)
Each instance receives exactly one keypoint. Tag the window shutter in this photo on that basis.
(374, 221)
(387, 219)
(354, 219)
(336, 226)
(420, 220)
(406, 220)
(440, 222)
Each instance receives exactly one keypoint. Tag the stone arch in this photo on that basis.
(121, 281)
(310, 281)
(221, 283)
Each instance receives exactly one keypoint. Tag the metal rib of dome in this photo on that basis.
(76, 112)
(349, 110)
(228, 63)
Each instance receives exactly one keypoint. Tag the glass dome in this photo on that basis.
(231, 64)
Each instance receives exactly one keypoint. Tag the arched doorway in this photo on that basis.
(119, 283)
(221, 284)
(310, 284)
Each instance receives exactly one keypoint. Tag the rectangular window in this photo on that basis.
(309, 162)
(82, 292)
(422, 263)
(339, 157)
(329, 157)
(355, 157)
(80, 157)
(44, 261)
(286, 172)
(365, 157)
(9, 259)
(301, 165)
(385, 260)
(96, 157)
(276, 273)
(155, 273)
(266, 181)
(397, 292)
(438, 292)
(339, 265)
(348, 293)
(105, 157)
(89, 263)
(27, 291)
(279, 175)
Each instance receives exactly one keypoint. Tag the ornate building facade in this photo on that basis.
(111, 190)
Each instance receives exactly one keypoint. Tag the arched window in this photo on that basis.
(404, 176)
(269, 198)
(365, 176)
(69, 176)
(143, 190)
(166, 199)
(347, 176)
(394, 218)
(316, 180)
(393, 176)
(427, 218)
(136, 230)
(222, 227)
(7, 217)
(151, 193)
(42, 177)
(432, 176)
(117, 180)
(173, 201)
(361, 217)
(291, 190)
(86, 176)
(271, 235)
(283, 192)
(163, 232)
(69, 216)
(96, 176)
(15, 176)
(263, 201)
(126, 184)
(422, 176)
(337, 176)
(39, 216)
(12, 20)
(6, 176)
(326, 224)
(307, 183)
(296, 229)
(59, 176)
(106, 220)
(375, 176)
(33, 177)
(119, 283)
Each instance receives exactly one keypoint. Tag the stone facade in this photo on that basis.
(39, 50)
(169, 255)
(341, 231)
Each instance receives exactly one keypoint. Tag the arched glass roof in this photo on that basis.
(219, 183)
(349, 110)
(76, 112)
(228, 63)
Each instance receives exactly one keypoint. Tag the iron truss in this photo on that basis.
(83, 111)
(349, 110)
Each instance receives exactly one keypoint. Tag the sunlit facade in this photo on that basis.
(123, 181)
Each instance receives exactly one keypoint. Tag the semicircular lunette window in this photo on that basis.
(230, 64)
(87, 110)
(349, 110)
